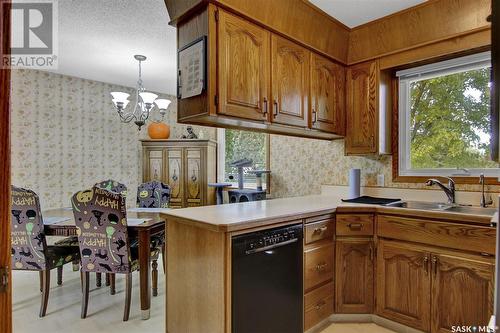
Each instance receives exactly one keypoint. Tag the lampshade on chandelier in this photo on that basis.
(143, 105)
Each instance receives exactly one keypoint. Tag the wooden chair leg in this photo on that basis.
(40, 274)
(45, 292)
(85, 293)
(59, 275)
(112, 288)
(154, 277)
(108, 282)
(98, 280)
(128, 295)
(163, 258)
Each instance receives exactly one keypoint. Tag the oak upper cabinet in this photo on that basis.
(354, 276)
(362, 132)
(462, 291)
(327, 95)
(403, 284)
(290, 82)
(243, 68)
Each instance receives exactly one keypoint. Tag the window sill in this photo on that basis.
(472, 180)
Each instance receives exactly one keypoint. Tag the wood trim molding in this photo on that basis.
(396, 178)
(432, 21)
(5, 259)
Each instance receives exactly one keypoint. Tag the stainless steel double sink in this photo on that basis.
(444, 207)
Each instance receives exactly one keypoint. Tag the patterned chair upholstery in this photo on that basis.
(101, 220)
(29, 250)
(113, 186)
(153, 194)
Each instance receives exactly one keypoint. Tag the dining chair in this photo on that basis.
(29, 250)
(154, 194)
(101, 221)
(117, 187)
(113, 186)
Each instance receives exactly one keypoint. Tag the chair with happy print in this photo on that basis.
(101, 220)
(113, 186)
(154, 194)
(29, 248)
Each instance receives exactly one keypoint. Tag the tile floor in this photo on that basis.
(105, 311)
(63, 314)
(355, 328)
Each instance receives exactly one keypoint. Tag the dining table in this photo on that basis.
(60, 222)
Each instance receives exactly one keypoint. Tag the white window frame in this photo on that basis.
(221, 161)
(408, 76)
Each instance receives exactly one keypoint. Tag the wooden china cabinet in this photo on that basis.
(187, 166)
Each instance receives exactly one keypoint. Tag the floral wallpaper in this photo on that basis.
(66, 136)
(300, 166)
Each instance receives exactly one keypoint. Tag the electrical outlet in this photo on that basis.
(380, 180)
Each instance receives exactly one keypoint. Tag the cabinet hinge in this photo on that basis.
(216, 100)
(216, 15)
(4, 279)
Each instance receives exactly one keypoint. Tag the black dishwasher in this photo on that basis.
(267, 281)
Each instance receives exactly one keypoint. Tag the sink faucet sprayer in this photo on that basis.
(448, 190)
(483, 203)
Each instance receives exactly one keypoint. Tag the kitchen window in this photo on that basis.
(444, 118)
(235, 145)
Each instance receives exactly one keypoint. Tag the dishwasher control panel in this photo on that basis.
(268, 239)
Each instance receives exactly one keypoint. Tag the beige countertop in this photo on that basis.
(240, 216)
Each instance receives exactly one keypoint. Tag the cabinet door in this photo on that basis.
(327, 95)
(193, 177)
(243, 68)
(462, 292)
(290, 82)
(175, 175)
(362, 109)
(153, 166)
(403, 284)
(354, 276)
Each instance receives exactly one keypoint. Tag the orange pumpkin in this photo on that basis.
(158, 131)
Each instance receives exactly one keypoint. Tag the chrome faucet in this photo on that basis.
(483, 203)
(448, 190)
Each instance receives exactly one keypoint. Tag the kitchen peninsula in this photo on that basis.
(450, 252)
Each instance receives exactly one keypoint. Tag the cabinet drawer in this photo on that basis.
(318, 265)
(355, 225)
(318, 231)
(433, 232)
(318, 305)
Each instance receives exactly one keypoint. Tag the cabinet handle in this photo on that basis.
(264, 113)
(320, 230)
(319, 305)
(321, 267)
(355, 226)
(275, 114)
(315, 117)
(426, 264)
(371, 252)
(435, 264)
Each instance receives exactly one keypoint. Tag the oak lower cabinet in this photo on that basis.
(318, 269)
(354, 275)
(187, 166)
(433, 289)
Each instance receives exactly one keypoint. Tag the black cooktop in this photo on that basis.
(371, 200)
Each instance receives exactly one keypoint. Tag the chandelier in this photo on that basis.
(144, 102)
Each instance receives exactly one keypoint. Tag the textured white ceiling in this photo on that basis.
(98, 38)
(356, 12)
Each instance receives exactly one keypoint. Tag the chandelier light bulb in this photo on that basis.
(148, 98)
(162, 104)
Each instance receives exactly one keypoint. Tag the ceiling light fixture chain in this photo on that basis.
(144, 102)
